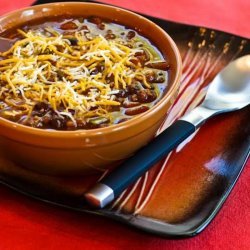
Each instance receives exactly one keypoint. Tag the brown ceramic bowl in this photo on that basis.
(82, 151)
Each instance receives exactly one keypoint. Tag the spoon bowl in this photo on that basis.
(230, 90)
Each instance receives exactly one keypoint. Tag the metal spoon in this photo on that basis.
(229, 91)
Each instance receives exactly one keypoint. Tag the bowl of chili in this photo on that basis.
(83, 86)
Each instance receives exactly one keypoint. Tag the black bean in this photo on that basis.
(153, 77)
(131, 34)
(101, 26)
(71, 111)
(60, 74)
(111, 84)
(40, 108)
(99, 68)
(133, 88)
(46, 119)
(58, 122)
(160, 79)
(73, 41)
(135, 61)
(110, 79)
(95, 20)
(85, 92)
(146, 96)
(84, 27)
(68, 26)
(133, 98)
(93, 108)
(129, 45)
(143, 57)
(60, 48)
(110, 36)
(94, 71)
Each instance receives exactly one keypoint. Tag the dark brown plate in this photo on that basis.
(181, 194)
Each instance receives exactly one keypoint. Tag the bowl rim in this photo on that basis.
(113, 127)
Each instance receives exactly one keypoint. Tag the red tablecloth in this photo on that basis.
(29, 224)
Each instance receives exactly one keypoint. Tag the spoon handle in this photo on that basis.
(112, 185)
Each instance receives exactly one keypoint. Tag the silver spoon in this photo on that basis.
(229, 91)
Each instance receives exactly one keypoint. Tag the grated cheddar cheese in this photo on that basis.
(78, 76)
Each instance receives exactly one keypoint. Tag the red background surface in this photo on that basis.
(29, 224)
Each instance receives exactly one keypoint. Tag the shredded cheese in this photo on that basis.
(42, 68)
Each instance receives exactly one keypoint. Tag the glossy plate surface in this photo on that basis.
(181, 194)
